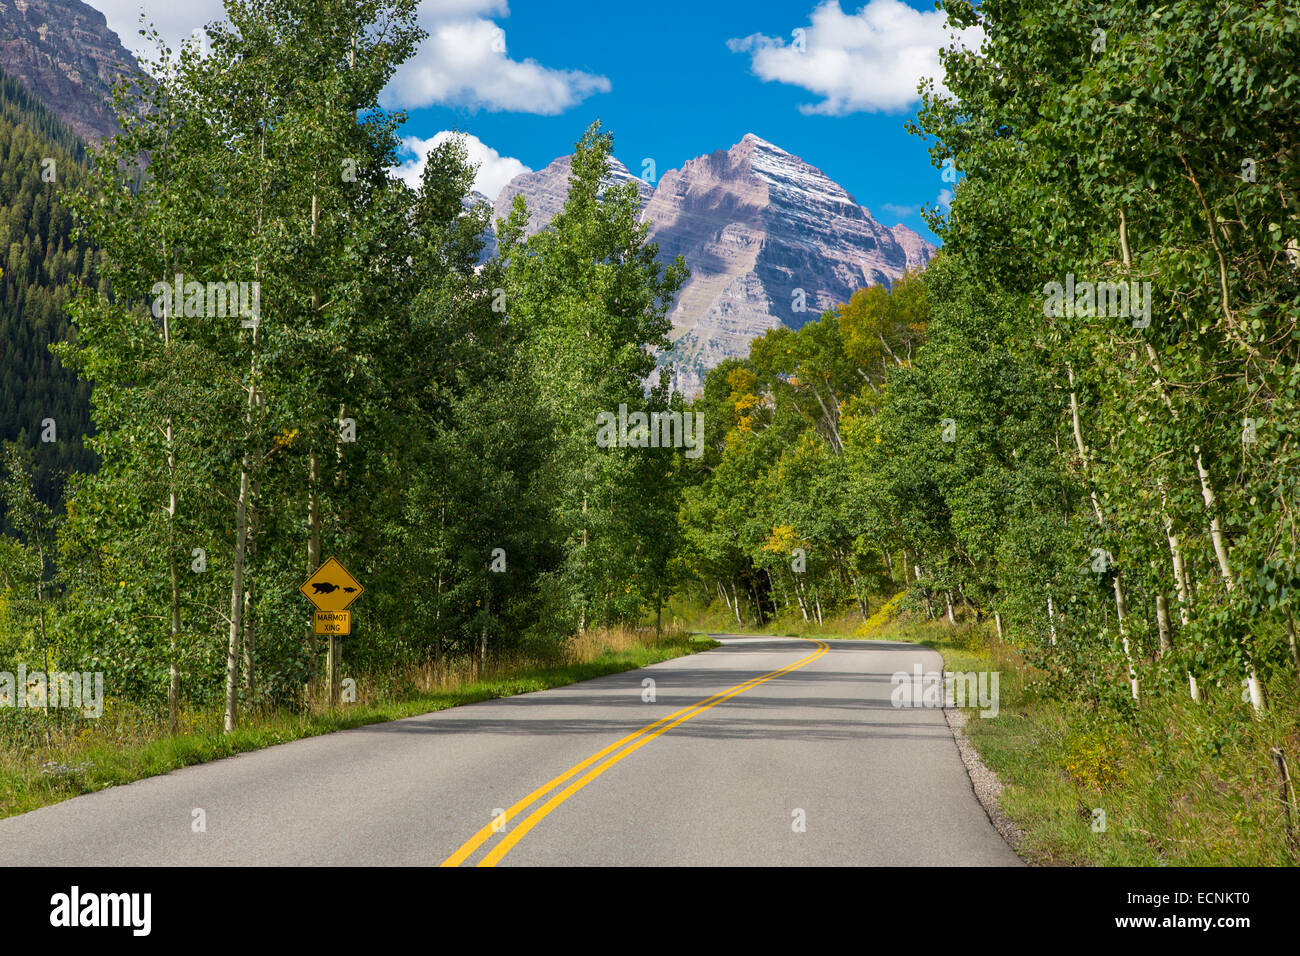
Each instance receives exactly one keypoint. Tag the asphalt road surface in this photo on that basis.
(766, 751)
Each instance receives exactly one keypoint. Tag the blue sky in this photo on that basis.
(831, 82)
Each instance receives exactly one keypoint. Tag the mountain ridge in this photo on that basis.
(64, 53)
(769, 238)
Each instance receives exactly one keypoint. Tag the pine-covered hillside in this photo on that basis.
(41, 262)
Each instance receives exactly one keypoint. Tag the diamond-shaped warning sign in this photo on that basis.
(331, 588)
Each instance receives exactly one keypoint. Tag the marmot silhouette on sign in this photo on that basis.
(324, 587)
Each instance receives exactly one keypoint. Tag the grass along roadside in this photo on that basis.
(124, 745)
(1179, 784)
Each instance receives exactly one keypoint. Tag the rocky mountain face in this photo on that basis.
(65, 54)
(918, 251)
(769, 240)
(546, 190)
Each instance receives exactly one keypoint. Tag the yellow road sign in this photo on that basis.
(331, 588)
(333, 622)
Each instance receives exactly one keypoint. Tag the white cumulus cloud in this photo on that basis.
(871, 60)
(899, 212)
(465, 62)
(494, 170)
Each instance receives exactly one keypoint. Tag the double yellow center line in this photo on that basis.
(607, 758)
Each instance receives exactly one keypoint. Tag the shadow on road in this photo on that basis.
(613, 703)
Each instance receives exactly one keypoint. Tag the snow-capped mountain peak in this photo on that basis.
(769, 238)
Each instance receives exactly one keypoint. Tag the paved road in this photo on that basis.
(725, 783)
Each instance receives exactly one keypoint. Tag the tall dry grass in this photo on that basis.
(459, 673)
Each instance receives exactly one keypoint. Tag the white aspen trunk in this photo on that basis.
(1121, 612)
(1120, 607)
(947, 597)
(483, 637)
(582, 617)
(241, 531)
(777, 589)
(313, 543)
(659, 608)
(997, 620)
(1180, 568)
(174, 682)
(1132, 675)
(817, 603)
(1051, 620)
(1180, 583)
(437, 614)
(836, 443)
(857, 596)
(1078, 441)
(1216, 530)
(888, 350)
(735, 603)
(1162, 622)
(437, 624)
(1225, 571)
(313, 489)
(237, 572)
(1180, 574)
(237, 600)
(249, 641)
(929, 611)
(799, 596)
(174, 669)
(40, 604)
